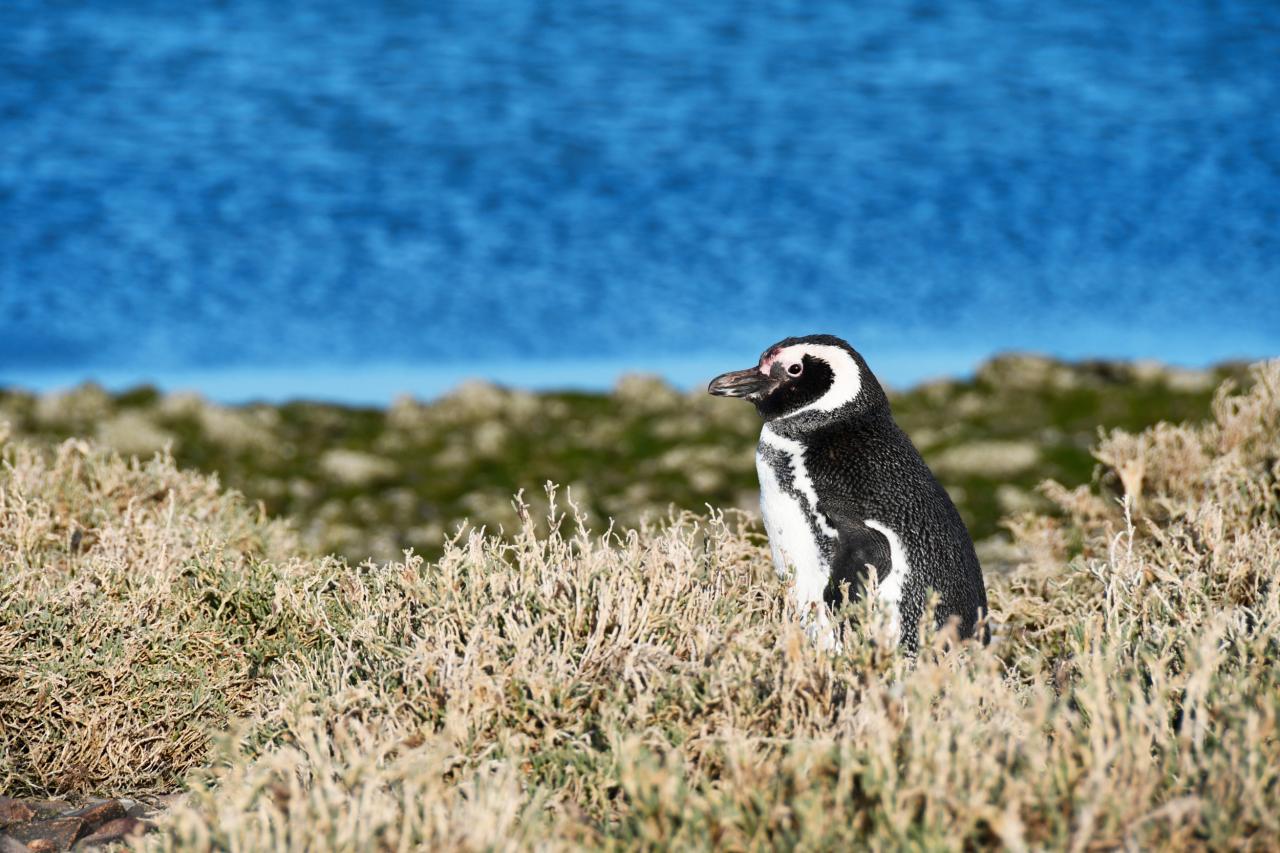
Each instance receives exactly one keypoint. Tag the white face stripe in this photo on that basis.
(846, 377)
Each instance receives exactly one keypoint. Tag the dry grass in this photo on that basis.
(134, 615)
(650, 688)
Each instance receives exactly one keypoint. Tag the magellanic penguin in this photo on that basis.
(842, 487)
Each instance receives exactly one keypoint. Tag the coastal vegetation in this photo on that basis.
(369, 483)
(568, 683)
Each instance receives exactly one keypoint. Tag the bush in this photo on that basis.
(137, 613)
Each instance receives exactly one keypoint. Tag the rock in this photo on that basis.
(99, 822)
(181, 404)
(936, 392)
(1018, 370)
(14, 811)
(706, 482)
(476, 399)
(97, 814)
(168, 801)
(648, 392)
(968, 404)
(988, 458)
(925, 437)
(489, 439)
(132, 433)
(1013, 500)
(1147, 370)
(354, 468)
(48, 808)
(407, 414)
(114, 831)
(86, 404)
(47, 836)
(998, 555)
(1181, 379)
(134, 808)
(1191, 381)
(238, 429)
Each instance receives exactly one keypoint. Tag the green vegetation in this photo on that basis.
(368, 483)
(563, 688)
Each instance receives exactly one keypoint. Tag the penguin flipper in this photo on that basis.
(858, 547)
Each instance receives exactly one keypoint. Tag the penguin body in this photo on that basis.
(843, 488)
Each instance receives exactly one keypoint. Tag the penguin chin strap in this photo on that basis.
(796, 424)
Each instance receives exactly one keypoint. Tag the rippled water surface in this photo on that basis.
(547, 191)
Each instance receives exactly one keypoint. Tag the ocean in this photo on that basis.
(350, 201)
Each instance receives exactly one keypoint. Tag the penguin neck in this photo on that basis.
(808, 425)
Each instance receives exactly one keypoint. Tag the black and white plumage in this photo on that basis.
(843, 488)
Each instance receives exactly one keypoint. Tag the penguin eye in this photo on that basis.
(795, 369)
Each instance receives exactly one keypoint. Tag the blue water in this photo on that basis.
(270, 198)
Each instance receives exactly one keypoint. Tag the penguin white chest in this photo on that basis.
(789, 520)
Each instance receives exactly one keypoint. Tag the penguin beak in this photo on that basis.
(749, 383)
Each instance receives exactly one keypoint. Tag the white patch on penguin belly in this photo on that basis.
(790, 536)
(799, 474)
(796, 553)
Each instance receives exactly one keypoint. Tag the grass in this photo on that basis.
(559, 687)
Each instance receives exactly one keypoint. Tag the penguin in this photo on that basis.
(844, 491)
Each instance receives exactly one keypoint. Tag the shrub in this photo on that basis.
(137, 612)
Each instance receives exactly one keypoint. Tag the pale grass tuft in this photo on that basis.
(134, 609)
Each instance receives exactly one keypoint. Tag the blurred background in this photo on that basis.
(346, 202)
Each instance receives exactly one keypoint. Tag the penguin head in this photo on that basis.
(816, 379)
